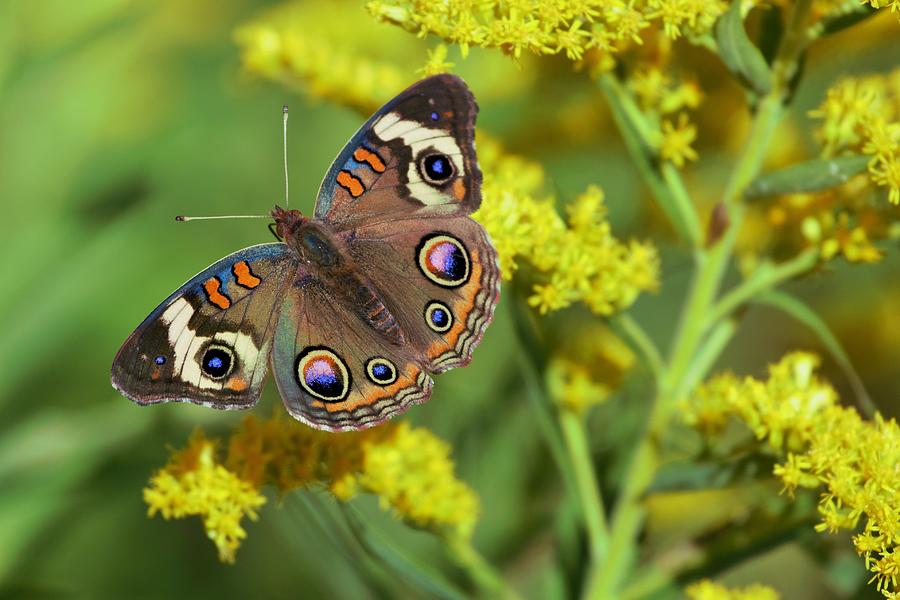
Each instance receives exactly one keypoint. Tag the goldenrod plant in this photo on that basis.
(691, 384)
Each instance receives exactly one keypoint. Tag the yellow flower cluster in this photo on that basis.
(824, 445)
(588, 368)
(783, 410)
(659, 94)
(862, 115)
(855, 461)
(708, 590)
(660, 97)
(570, 27)
(408, 468)
(302, 45)
(894, 5)
(195, 484)
(859, 116)
(840, 235)
(578, 257)
(675, 146)
(840, 222)
(413, 475)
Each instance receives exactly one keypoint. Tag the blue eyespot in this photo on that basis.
(160, 360)
(322, 373)
(381, 371)
(435, 116)
(438, 317)
(218, 361)
(321, 377)
(443, 259)
(437, 167)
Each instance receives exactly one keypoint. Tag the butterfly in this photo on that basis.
(389, 283)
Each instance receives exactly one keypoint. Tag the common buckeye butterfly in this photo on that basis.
(389, 283)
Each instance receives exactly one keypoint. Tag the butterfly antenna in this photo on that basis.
(184, 219)
(284, 110)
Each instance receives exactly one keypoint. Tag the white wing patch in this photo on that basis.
(420, 138)
(186, 347)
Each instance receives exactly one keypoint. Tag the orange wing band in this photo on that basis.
(211, 287)
(350, 183)
(364, 155)
(244, 276)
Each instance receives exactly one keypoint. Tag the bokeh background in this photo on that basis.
(116, 116)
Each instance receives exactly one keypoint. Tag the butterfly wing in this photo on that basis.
(336, 373)
(209, 342)
(415, 155)
(439, 277)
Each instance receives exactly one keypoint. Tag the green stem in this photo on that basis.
(394, 561)
(666, 185)
(605, 581)
(706, 356)
(532, 360)
(592, 509)
(657, 583)
(489, 581)
(642, 342)
(565, 435)
(764, 278)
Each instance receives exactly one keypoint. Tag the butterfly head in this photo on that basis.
(287, 221)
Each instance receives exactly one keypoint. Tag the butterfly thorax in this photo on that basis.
(325, 259)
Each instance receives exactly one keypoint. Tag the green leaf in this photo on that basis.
(801, 312)
(771, 32)
(739, 54)
(809, 176)
(855, 13)
(424, 576)
(636, 133)
(694, 475)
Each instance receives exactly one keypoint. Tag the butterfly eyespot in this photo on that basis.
(434, 116)
(438, 317)
(160, 360)
(322, 374)
(444, 260)
(218, 361)
(381, 371)
(436, 168)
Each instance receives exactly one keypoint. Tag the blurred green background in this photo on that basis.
(116, 116)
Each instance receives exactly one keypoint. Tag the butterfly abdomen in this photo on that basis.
(330, 263)
(370, 307)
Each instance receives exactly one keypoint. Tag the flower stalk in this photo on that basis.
(480, 571)
(606, 579)
(590, 500)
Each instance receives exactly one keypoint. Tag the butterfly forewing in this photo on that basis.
(209, 342)
(415, 156)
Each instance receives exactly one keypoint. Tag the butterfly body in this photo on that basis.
(387, 284)
(326, 261)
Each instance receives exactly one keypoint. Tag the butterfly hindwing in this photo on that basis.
(209, 342)
(416, 155)
(334, 371)
(439, 277)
